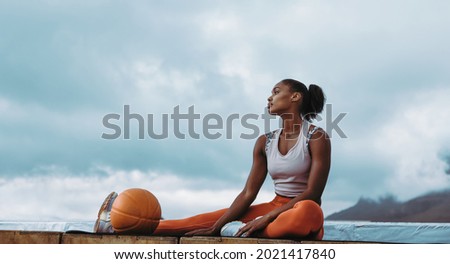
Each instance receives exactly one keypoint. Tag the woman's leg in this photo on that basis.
(262, 209)
(305, 219)
(182, 226)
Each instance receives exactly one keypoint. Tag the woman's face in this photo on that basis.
(282, 100)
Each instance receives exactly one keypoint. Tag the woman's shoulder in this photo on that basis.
(263, 141)
(315, 132)
(317, 136)
(271, 134)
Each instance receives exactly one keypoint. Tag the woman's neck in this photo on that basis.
(292, 124)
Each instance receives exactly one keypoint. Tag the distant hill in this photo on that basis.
(432, 207)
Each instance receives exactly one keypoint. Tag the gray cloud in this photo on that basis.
(66, 65)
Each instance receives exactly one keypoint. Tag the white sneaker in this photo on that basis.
(230, 229)
(103, 223)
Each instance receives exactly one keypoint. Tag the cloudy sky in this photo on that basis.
(67, 65)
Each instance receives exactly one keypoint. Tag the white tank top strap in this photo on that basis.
(310, 133)
(269, 137)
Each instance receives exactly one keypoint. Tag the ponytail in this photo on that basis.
(313, 98)
(315, 104)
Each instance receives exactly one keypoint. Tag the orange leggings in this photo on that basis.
(304, 220)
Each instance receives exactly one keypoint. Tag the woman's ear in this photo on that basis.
(296, 96)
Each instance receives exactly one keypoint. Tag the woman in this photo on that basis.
(297, 156)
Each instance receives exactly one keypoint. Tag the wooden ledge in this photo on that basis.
(29, 237)
(38, 237)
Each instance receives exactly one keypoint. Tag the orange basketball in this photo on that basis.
(135, 211)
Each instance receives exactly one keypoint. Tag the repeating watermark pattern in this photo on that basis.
(213, 125)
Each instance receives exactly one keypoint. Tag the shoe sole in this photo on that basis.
(103, 208)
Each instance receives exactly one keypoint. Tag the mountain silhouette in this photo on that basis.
(431, 207)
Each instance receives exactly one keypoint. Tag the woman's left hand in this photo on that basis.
(253, 226)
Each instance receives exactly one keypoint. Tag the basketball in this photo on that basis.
(135, 211)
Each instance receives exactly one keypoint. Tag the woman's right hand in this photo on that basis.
(253, 226)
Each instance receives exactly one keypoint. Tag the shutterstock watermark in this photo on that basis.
(213, 125)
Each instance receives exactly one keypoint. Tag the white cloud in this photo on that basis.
(163, 87)
(217, 23)
(57, 195)
(4, 105)
(411, 140)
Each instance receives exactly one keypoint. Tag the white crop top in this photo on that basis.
(289, 172)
